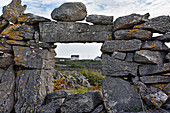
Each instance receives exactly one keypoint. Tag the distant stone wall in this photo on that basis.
(135, 63)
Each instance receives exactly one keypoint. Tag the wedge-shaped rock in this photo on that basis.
(12, 11)
(165, 37)
(168, 56)
(121, 45)
(100, 19)
(4, 47)
(3, 23)
(119, 55)
(7, 87)
(158, 24)
(119, 94)
(70, 12)
(6, 60)
(155, 45)
(31, 19)
(114, 67)
(155, 79)
(154, 69)
(79, 103)
(129, 21)
(151, 57)
(132, 34)
(19, 32)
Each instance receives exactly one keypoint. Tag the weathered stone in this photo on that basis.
(32, 19)
(129, 21)
(7, 86)
(82, 80)
(158, 24)
(79, 103)
(165, 37)
(4, 47)
(151, 57)
(12, 11)
(2, 71)
(119, 94)
(14, 42)
(155, 79)
(121, 45)
(99, 109)
(132, 34)
(31, 88)
(168, 56)
(114, 67)
(154, 69)
(19, 32)
(119, 55)
(129, 57)
(100, 19)
(68, 32)
(154, 45)
(3, 24)
(6, 60)
(70, 12)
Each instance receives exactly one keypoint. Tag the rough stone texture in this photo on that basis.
(121, 45)
(100, 19)
(119, 55)
(19, 32)
(165, 37)
(14, 42)
(32, 19)
(114, 67)
(132, 34)
(12, 11)
(7, 87)
(79, 103)
(68, 32)
(168, 56)
(119, 94)
(129, 57)
(129, 21)
(151, 57)
(3, 23)
(155, 79)
(154, 69)
(4, 47)
(6, 60)
(158, 24)
(70, 12)
(99, 109)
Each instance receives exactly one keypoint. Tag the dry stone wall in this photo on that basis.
(136, 64)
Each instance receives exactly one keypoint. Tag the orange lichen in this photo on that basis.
(42, 110)
(132, 31)
(141, 50)
(12, 42)
(121, 48)
(160, 86)
(48, 105)
(137, 26)
(19, 72)
(110, 37)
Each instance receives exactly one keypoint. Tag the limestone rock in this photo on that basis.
(79, 103)
(114, 67)
(132, 34)
(4, 47)
(32, 19)
(7, 86)
(121, 45)
(165, 37)
(12, 11)
(119, 55)
(129, 21)
(19, 32)
(129, 57)
(100, 19)
(99, 109)
(70, 12)
(6, 60)
(14, 42)
(154, 69)
(151, 57)
(119, 94)
(158, 24)
(3, 24)
(168, 56)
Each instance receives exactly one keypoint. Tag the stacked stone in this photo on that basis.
(26, 65)
(133, 60)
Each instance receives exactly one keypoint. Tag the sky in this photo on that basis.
(114, 8)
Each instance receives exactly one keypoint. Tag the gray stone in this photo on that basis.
(155, 79)
(158, 24)
(119, 55)
(129, 21)
(167, 89)
(14, 42)
(6, 60)
(100, 19)
(165, 37)
(7, 87)
(154, 69)
(119, 94)
(121, 45)
(132, 34)
(70, 32)
(99, 109)
(32, 19)
(167, 56)
(3, 23)
(82, 80)
(79, 103)
(2, 71)
(129, 57)
(150, 57)
(4, 47)
(70, 12)
(114, 67)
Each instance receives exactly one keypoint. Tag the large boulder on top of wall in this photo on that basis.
(70, 12)
(6, 60)
(3, 23)
(100, 19)
(12, 11)
(119, 94)
(129, 21)
(158, 24)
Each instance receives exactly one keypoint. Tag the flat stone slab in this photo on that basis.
(119, 55)
(132, 34)
(121, 45)
(165, 37)
(115, 67)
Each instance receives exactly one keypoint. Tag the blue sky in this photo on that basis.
(114, 8)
